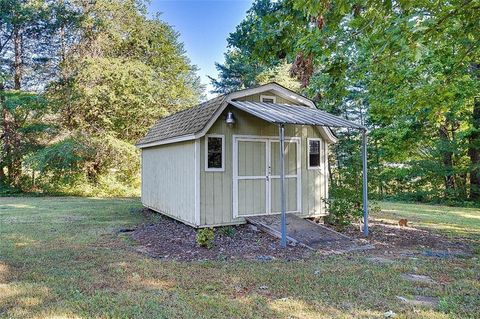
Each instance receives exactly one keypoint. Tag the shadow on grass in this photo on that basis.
(78, 267)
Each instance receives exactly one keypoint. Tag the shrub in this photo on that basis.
(205, 237)
(344, 207)
(228, 231)
(7, 190)
(345, 204)
(94, 166)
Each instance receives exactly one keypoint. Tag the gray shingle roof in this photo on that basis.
(185, 122)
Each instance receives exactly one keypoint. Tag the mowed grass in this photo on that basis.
(453, 221)
(61, 258)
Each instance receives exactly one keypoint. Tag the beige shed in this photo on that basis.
(220, 161)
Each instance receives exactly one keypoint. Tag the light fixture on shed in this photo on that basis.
(230, 119)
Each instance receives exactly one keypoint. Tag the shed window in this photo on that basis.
(313, 153)
(215, 153)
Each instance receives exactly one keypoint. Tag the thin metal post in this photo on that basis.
(365, 182)
(283, 242)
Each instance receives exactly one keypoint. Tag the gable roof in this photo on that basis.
(193, 123)
(185, 122)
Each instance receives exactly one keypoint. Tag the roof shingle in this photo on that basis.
(185, 122)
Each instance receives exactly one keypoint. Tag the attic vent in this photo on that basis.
(268, 99)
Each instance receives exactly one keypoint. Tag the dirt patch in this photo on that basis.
(423, 301)
(418, 278)
(390, 237)
(170, 239)
(73, 218)
(162, 237)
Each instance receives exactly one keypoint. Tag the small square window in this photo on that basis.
(214, 151)
(313, 153)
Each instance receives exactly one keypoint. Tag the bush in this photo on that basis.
(7, 190)
(228, 231)
(86, 166)
(205, 237)
(345, 205)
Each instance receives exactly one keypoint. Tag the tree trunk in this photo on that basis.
(17, 65)
(462, 185)
(474, 152)
(3, 133)
(3, 127)
(447, 159)
(13, 139)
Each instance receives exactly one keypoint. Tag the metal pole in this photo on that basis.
(283, 242)
(365, 182)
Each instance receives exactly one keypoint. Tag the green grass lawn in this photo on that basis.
(454, 221)
(61, 258)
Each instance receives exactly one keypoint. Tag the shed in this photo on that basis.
(220, 161)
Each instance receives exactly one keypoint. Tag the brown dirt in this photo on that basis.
(390, 237)
(170, 239)
(163, 237)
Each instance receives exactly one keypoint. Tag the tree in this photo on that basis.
(25, 27)
(401, 68)
(81, 81)
(260, 43)
(474, 151)
(237, 73)
(124, 73)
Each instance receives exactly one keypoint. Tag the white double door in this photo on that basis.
(256, 175)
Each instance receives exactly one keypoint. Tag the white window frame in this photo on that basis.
(214, 169)
(319, 167)
(273, 97)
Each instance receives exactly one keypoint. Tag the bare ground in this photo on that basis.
(393, 238)
(170, 239)
(167, 238)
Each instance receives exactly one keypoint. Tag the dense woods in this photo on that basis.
(80, 83)
(408, 70)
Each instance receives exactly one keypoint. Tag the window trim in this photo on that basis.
(320, 166)
(215, 169)
(273, 97)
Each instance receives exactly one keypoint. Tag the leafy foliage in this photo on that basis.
(205, 237)
(80, 82)
(228, 231)
(280, 74)
(406, 70)
(86, 166)
(60, 162)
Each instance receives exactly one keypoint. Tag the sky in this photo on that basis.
(204, 26)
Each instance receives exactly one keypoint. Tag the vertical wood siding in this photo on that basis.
(216, 194)
(168, 180)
